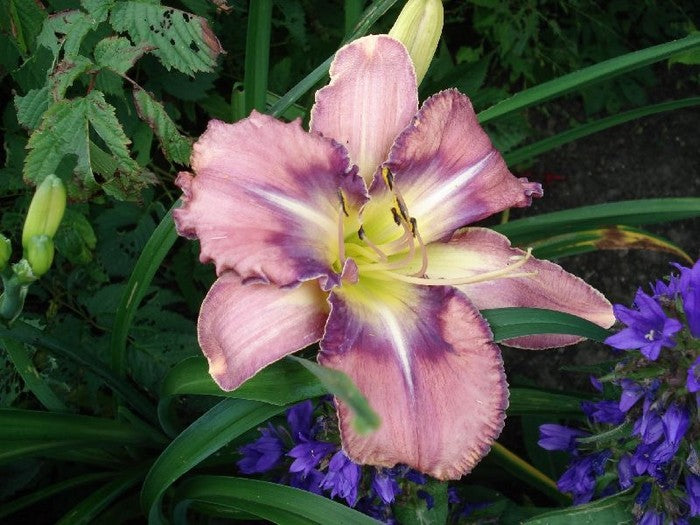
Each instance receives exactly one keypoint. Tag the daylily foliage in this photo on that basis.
(348, 235)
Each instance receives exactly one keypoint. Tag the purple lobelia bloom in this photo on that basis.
(675, 423)
(310, 481)
(692, 382)
(624, 471)
(631, 393)
(603, 412)
(651, 517)
(692, 488)
(299, 420)
(559, 437)
(648, 327)
(690, 293)
(579, 479)
(350, 234)
(385, 486)
(261, 455)
(308, 454)
(343, 478)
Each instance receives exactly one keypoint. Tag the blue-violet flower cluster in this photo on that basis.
(646, 439)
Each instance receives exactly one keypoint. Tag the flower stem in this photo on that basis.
(522, 470)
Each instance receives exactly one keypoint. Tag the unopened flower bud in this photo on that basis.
(418, 27)
(39, 254)
(46, 210)
(5, 251)
(23, 271)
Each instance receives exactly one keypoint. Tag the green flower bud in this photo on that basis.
(5, 251)
(418, 27)
(46, 210)
(39, 254)
(23, 272)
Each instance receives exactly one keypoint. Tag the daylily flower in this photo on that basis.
(348, 235)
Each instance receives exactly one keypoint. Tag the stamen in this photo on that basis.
(341, 232)
(503, 273)
(423, 250)
(363, 237)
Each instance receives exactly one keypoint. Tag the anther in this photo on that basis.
(363, 237)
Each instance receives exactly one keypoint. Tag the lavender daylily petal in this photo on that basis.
(448, 171)
(264, 201)
(243, 328)
(472, 251)
(371, 98)
(426, 362)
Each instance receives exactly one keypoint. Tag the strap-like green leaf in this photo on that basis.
(257, 55)
(629, 213)
(584, 77)
(32, 425)
(224, 422)
(507, 323)
(277, 503)
(589, 128)
(281, 383)
(371, 15)
(28, 334)
(365, 419)
(151, 257)
(25, 368)
(614, 509)
(524, 401)
(608, 238)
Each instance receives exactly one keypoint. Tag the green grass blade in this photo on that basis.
(507, 323)
(352, 12)
(222, 423)
(584, 77)
(257, 55)
(261, 498)
(29, 374)
(370, 16)
(628, 213)
(50, 491)
(26, 333)
(521, 469)
(528, 401)
(151, 257)
(365, 419)
(11, 450)
(32, 425)
(613, 509)
(281, 383)
(527, 152)
(88, 509)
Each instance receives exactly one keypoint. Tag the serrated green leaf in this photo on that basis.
(117, 54)
(27, 19)
(66, 73)
(32, 106)
(34, 72)
(98, 9)
(183, 41)
(67, 30)
(176, 147)
(65, 131)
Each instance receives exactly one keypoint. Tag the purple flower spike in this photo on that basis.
(692, 488)
(558, 437)
(261, 455)
(692, 383)
(310, 482)
(309, 454)
(579, 479)
(385, 486)
(343, 478)
(675, 421)
(649, 426)
(651, 517)
(690, 292)
(299, 420)
(624, 471)
(603, 412)
(648, 327)
(631, 393)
